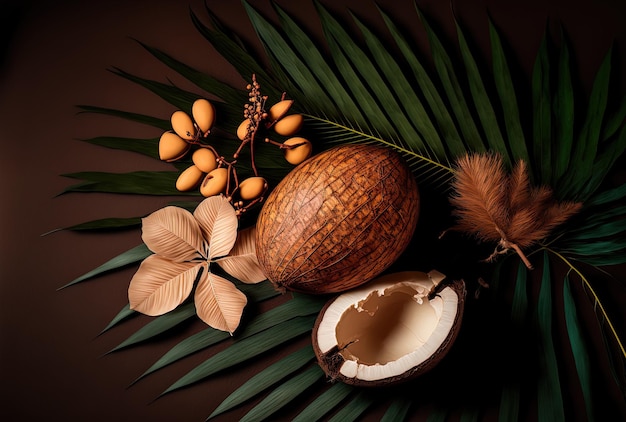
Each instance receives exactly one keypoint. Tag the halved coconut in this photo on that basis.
(392, 329)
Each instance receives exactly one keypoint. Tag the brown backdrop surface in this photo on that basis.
(53, 363)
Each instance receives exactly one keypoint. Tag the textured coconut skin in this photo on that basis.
(337, 220)
(331, 361)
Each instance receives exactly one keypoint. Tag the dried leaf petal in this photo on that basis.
(173, 233)
(219, 303)
(242, 262)
(160, 285)
(218, 222)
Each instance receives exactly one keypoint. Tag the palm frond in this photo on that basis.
(324, 403)
(508, 97)
(229, 46)
(586, 147)
(284, 394)
(147, 147)
(482, 102)
(286, 61)
(398, 410)
(136, 182)
(452, 87)
(579, 349)
(598, 236)
(511, 392)
(408, 101)
(224, 92)
(245, 349)
(444, 122)
(131, 256)
(163, 124)
(542, 119)
(158, 326)
(597, 303)
(564, 114)
(354, 408)
(426, 170)
(265, 379)
(549, 396)
(300, 306)
(175, 96)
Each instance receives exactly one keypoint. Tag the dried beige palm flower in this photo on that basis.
(498, 207)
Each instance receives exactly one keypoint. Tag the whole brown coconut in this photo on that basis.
(337, 220)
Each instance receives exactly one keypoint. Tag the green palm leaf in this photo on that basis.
(131, 256)
(508, 98)
(342, 47)
(408, 99)
(244, 349)
(290, 63)
(284, 394)
(165, 322)
(147, 147)
(326, 75)
(598, 236)
(228, 44)
(542, 119)
(102, 224)
(511, 391)
(324, 403)
(353, 65)
(563, 113)
(438, 414)
(586, 147)
(614, 121)
(603, 316)
(469, 415)
(122, 315)
(298, 306)
(163, 124)
(445, 123)
(354, 408)
(398, 410)
(158, 326)
(579, 349)
(117, 223)
(175, 96)
(265, 379)
(205, 82)
(427, 171)
(482, 103)
(452, 87)
(136, 182)
(611, 150)
(550, 400)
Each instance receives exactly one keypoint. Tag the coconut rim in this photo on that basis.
(337, 367)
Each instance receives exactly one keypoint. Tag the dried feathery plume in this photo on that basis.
(496, 207)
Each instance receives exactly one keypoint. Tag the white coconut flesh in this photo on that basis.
(389, 326)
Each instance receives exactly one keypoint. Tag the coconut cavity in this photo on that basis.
(389, 329)
(382, 329)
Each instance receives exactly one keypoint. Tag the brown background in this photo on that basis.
(56, 56)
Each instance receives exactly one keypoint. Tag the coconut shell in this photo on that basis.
(337, 220)
(332, 360)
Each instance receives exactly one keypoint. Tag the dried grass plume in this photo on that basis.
(498, 207)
